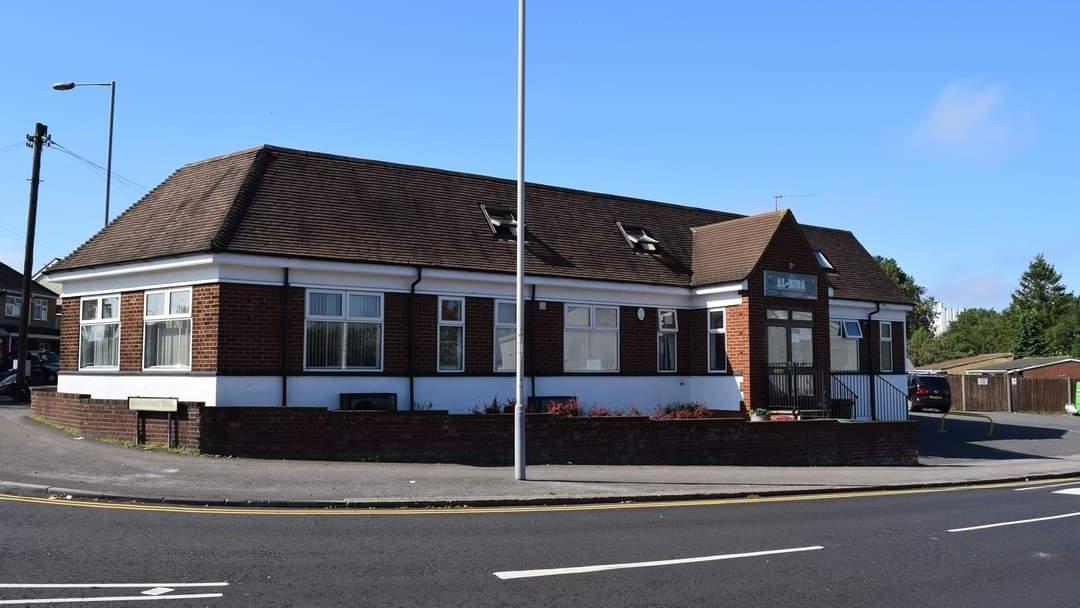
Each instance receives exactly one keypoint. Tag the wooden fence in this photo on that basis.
(1017, 394)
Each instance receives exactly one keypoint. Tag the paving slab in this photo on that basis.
(36, 459)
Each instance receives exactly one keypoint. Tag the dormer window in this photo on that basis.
(502, 222)
(638, 238)
(823, 261)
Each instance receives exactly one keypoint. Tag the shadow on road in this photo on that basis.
(965, 438)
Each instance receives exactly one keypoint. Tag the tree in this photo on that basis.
(924, 347)
(923, 313)
(977, 331)
(1041, 293)
(1063, 337)
(1030, 341)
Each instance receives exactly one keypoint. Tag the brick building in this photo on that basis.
(280, 277)
(44, 322)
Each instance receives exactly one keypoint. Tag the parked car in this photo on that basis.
(40, 375)
(48, 359)
(929, 392)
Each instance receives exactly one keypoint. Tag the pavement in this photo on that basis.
(928, 549)
(38, 460)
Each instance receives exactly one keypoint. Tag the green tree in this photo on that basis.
(924, 347)
(978, 331)
(923, 313)
(1063, 337)
(1030, 341)
(1041, 294)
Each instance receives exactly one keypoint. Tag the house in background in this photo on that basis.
(44, 311)
(963, 364)
(1032, 367)
(274, 277)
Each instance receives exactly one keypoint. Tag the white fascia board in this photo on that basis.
(732, 287)
(860, 309)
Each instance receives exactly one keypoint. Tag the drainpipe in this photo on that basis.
(412, 335)
(873, 372)
(529, 342)
(284, 338)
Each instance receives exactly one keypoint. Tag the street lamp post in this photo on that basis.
(519, 271)
(67, 86)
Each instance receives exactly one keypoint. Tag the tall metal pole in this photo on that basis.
(37, 140)
(519, 279)
(108, 162)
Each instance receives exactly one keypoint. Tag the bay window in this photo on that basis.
(505, 336)
(667, 327)
(591, 338)
(717, 341)
(343, 330)
(167, 329)
(99, 333)
(451, 334)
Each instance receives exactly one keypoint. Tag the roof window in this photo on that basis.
(823, 261)
(638, 238)
(502, 222)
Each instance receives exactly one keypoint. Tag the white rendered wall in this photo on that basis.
(201, 389)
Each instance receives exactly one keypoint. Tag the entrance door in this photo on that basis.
(791, 359)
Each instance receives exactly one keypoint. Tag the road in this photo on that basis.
(879, 550)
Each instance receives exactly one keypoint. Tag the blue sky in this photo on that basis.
(942, 136)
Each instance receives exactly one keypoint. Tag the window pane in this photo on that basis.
(180, 303)
(505, 313)
(779, 315)
(324, 343)
(834, 328)
(852, 329)
(778, 345)
(577, 316)
(89, 310)
(98, 345)
(577, 351)
(607, 317)
(716, 319)
(886, 330)
(364, 305)
(802, 315)
(505, 349)
(802, 346)
(155, 304)
(667, 320)
(167, 343)
(450, 310)
(718, 352)
(451, 353)
(603, 351)
(362, 345)
(324, 304)
(844, 353)
(110, 308)
(886, 357)
(665, 352)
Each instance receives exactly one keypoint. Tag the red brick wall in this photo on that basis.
(111, 419)
(294, 331)
(692, 347)
(248, 329)
(396, 333)
(426, 333)
(69, 335)
(479, 336)
(205, 326)
(1068, 368)
(131, 331)
(637, 341)
(544, 330)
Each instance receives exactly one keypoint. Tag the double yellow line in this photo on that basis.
(465, 510)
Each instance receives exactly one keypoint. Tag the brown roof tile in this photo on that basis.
(858, 275)
(728, 251)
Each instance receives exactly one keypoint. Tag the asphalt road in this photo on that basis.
(892, 550)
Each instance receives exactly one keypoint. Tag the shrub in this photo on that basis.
(506, 407)
(567, 409)
(681, 411)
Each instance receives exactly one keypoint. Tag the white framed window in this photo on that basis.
(343, 330)
(12, 305)
(451, 347)
(99, 333)
(885, 333)
(39, 309)
(667, 332)
(505, 336)
(590, 338)
(717, 340)
(844, 345)
(167, 329)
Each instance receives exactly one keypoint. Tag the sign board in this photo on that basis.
(153, 404)
(984, 381)
(790, 285)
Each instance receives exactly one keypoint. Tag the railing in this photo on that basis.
(810, 393)
(890, 402)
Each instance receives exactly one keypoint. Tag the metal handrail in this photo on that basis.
(989, 433)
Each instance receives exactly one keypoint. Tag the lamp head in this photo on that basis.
(63, 86)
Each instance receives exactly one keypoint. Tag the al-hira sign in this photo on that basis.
(790, 285)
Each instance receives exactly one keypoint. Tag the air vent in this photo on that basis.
(368, 402)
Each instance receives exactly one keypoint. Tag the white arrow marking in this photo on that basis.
(158, 591)
(1071, 491)
(513, 574)
(1054, 485)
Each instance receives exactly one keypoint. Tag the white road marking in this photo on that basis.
(514, 574)
(1055, 485)
(1016, 523)
(158, 591)
(1070, 491)
(115, 598)
(106, 585)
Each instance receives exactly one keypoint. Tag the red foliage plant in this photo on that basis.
(681, 411)
(567, 409)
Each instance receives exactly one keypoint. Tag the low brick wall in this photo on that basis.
(300, 432)
(110, 418)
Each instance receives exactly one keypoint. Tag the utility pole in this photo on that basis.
(36, 141)
(519, 271)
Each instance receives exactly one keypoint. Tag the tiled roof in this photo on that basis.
(728, 251)
(858, 275)
(283, 202)
(1024, 363)
(965, 361)
(11, 282)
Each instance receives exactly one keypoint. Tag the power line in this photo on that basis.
(123, 181)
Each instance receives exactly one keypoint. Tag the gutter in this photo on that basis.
(529, 342)
(874, 373)
(412, 335)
